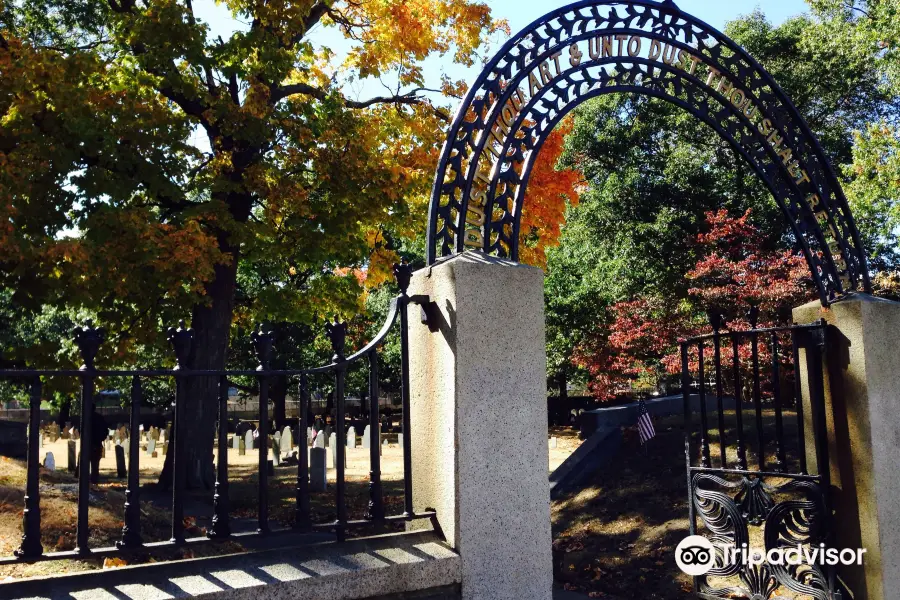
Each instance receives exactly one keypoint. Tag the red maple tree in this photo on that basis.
(737, 271)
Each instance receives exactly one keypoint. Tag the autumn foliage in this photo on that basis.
(735, 271)
(549, 189)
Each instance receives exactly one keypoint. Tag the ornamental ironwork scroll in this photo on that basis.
(790, 514)
(592, 48)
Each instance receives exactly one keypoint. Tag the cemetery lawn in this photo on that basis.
(616, 538)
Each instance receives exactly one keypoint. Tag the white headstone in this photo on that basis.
(151, 446)
(277, 435)
(50, 462)
(332, 445)
(287, 442)
(400, 439)
(236, 442)
(40, 439)
(365, 438)
(310, 436)
(248, 439)
(553, 442)
(319, 442)
(351, 438)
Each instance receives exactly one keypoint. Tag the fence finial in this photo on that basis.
(88, 340)
(753, 316)
(337, 333)
(403, 275)
(181, 339)
(716, 318)
(263, 339)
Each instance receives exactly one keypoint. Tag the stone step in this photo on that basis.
(396, 566)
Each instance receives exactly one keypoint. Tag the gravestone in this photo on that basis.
(73, 459)
(121, 471)
(248, 440)
(332, 446)
(151, 446)
(242, 446)
(328, 432)
(400, 439)
(553, 442)
(310, 436)
(351, 438)
(236, 442)
(165, 447)
(365, 438)
(276, 449)
(40, 439)
(318, 477)
(319, 442)
(50, 462)
(125, 443)
(287, 442)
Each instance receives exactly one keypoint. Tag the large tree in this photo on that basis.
(109, 205)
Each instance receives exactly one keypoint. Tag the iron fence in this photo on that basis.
(89, 340)
(784, 490)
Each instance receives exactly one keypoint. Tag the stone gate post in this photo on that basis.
(862, 392)
(479, 422)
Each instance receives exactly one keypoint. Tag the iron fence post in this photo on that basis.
(337, 333)
(131, 530)
(31, 517)
(375, 511)
(403, 275)
(262, 341)
(221, 527)
(88, 340)
(181, 340)
(302, 519)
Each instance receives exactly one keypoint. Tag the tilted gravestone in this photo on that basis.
(121, 471)
(318, 477)
(73, 459)
(276, 450)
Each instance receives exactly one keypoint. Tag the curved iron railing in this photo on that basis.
(89, 340)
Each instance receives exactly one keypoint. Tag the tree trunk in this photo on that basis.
(211, 324)
(278, 389)
(65, 411)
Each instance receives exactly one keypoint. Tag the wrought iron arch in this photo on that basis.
(597, 47)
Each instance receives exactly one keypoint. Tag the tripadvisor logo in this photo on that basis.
(696, 555)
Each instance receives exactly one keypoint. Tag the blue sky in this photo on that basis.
(519, 13)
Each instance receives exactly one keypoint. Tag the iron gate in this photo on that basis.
(764, 484)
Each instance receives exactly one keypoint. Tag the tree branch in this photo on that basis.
(408, 98)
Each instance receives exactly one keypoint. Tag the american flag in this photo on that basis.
(645, 423)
